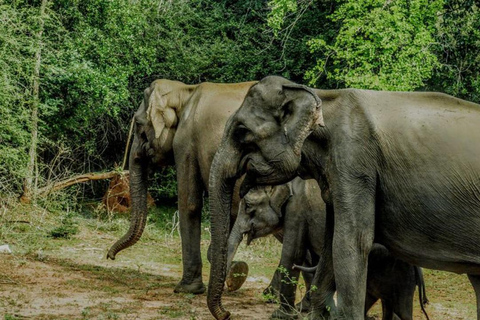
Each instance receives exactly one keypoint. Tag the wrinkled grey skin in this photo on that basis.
(181, 125)
(297, 211)
(398, 167)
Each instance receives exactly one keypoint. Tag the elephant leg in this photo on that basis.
(354, 205)
(387, 310)
(403, 302)
(293, 252)
(273, 289)
(350, 267)
(322, 303)
(190, 203)
(311, 260)
(475, 281)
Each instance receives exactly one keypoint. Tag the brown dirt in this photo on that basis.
(58, 288)
(73, 280)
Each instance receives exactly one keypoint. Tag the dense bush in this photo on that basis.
(97, 56)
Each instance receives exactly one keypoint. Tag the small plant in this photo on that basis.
(85, 313)
(66, 230)
(273, 297)
(164, 184)
(270, 297)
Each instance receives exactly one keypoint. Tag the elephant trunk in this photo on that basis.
(236, 237)
(138, 191)
(223, 175)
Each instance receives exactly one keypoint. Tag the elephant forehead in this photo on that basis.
(268, 97)
(255, 196)
(256, 119)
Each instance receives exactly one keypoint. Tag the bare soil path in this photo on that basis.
(71, 279)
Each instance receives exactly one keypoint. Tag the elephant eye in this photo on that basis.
(241, 128)
(243, 134)
(285, 113)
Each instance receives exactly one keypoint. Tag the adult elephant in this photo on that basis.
(181, 125)
(399, 167)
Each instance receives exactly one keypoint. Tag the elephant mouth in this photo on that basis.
(256, 165)
(253, 234)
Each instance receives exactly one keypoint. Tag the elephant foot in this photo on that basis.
(282, 314)
(236, 275)
(195, 287)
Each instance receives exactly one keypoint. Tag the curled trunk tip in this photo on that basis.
(129, 239)
(222, 314)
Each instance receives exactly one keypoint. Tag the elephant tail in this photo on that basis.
(422, 295)
(305, 269)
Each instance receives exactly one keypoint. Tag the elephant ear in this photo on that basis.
(279, 195)
(300, 94)
(300, 112)
(162, 115)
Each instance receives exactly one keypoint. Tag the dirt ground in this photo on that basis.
(63, 289)
(71, 279)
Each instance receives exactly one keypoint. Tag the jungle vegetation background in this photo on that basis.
(73, 71)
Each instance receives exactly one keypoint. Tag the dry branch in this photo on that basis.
(74, 180)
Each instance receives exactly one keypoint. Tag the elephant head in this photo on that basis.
(263, 139)
(155, 125)
(260, 214)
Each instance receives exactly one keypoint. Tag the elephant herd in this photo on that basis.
(344, 178)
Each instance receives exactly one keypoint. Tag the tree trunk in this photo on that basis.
(29, 191)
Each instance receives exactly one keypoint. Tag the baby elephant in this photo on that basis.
(295, 213)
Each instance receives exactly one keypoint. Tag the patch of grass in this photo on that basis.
(172, 312)
(264, 263)
(65, 230)
(115, 225)
(164, 217)
(86, 313)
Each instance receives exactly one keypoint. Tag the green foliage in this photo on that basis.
(279, 10)
(386, 45)
(457, 47)
(97, 58)
(164, 216)
(16, 63)
(163, 185)
(99, 55)
(288, 279)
